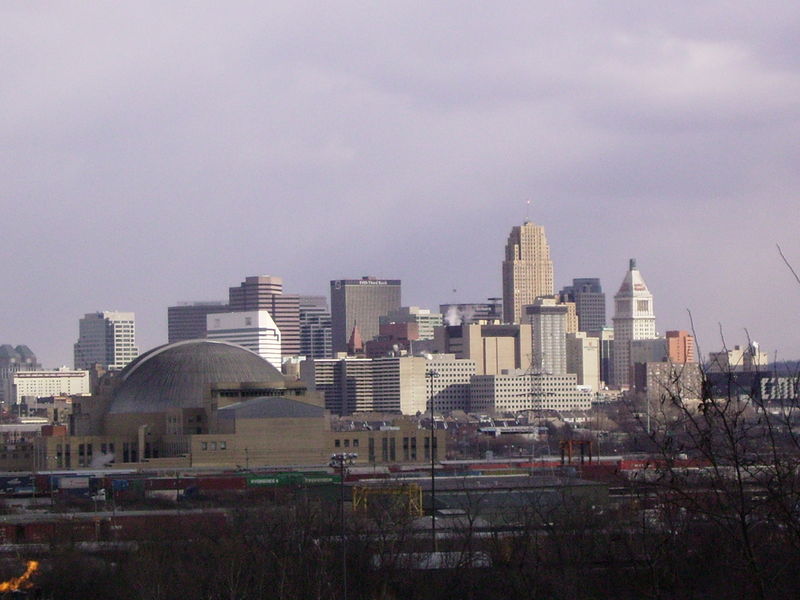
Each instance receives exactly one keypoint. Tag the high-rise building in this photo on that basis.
(738, 359)
(548, 327)
(361, 302)
(255, 292)
(494, 347)
(606, 343)
(59, 382)
(251, 329)
(527, 270)
(646, 351)
(590, 303)
(633, 320)
(12, 361)
(393, 339)
(583, 359)
(423, 317)
(680, 347)
(187, 320)
(107, 339)
(449, 382)
(346, 383)
(522, 390)
(390, 384)
(315, 327)
(265, 292)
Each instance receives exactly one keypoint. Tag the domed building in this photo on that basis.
(212, 404)
(188, 381)
(166, 403)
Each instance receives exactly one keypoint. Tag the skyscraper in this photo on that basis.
(527, 270)
(680, 347)
(633, 320)
(264, 292)
(251, 329)
(423, 317)
(106, 338)
(12, 361)
(187, 320)
(362, 302)
(548, 326)
(315, 327)
(590, 303)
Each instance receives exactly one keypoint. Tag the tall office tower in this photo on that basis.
(187, 320)
(583, 359)
(527, 270)
(251, 329)
(548, 327)
(423, 317)
(107, 339)
(315, 327)
(590, 303)
(12, 361)
(390, 384)
(680, 347)
(606, 341)
(472, 312)
(361, 301)
(264, 292)
(633, 320)
(346, 383)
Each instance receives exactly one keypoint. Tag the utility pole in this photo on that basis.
(431, 375)
(340, 461)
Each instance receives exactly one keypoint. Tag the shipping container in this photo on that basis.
(17, 485)
(73, 483)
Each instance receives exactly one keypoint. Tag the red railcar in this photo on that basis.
(105, 527)
(222, 483)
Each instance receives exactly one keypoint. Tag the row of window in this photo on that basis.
(345, 443)
(213, 446)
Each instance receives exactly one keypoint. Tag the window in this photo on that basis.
(223, 445)
(203, 445)
(355, 443)
(337, 443)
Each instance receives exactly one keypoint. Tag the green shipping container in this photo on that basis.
(291, 479)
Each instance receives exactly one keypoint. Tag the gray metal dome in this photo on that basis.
(179, 375)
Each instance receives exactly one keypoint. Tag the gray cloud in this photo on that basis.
(158, 153)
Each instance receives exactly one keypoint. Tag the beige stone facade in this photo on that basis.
(527, 270)
(494, 347)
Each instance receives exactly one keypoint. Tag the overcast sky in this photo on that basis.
(156, 152)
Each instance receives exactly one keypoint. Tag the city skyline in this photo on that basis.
(319, 144)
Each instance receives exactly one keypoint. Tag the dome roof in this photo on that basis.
(179, 375)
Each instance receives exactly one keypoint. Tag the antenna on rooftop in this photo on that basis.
(528, 211)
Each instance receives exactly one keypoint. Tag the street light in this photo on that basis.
(431, 375)
(340, 461)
